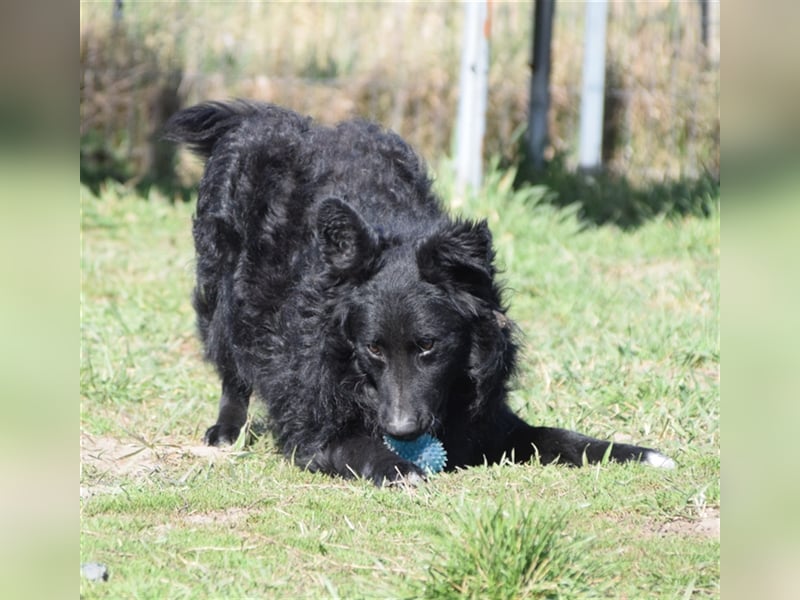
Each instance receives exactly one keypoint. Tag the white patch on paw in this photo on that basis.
(408, 480)
(413, 480)
(659, 460)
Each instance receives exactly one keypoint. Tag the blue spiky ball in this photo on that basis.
(426, 452)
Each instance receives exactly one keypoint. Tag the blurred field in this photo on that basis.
(397, 64)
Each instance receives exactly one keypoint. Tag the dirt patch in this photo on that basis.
(706, 525)
(110, 459)
(230, 516)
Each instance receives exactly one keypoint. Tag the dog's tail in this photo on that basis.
(201, 126)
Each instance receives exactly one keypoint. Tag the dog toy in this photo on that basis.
(426, 452)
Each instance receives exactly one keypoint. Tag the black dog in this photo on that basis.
(331, 283)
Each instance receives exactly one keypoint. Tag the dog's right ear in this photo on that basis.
(460, 256)
(349, 244)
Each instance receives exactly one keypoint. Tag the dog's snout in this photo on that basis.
(402, 426)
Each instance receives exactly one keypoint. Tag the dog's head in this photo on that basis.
(423, 323)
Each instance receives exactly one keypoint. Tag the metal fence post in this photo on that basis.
(471, 122)
(594, 65)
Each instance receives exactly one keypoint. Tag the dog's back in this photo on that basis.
(267, 171)
(267, 158)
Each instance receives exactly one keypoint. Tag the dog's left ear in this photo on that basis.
(492, 361)
(349, 244)
(461, 256)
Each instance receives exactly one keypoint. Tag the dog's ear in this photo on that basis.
(492, 360)
(460, 255)
(349, 244)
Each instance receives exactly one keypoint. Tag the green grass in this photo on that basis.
(510, 551)
(621, 340)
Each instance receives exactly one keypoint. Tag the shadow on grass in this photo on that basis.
(607, 198)
(604, 198)
(168, 187)
(100, 163)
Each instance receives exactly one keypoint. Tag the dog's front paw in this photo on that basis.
(402, 473)
(221, 434)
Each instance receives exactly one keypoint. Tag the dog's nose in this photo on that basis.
(402, 427)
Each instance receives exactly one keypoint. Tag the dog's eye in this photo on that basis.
(425, 345)
(375, 350)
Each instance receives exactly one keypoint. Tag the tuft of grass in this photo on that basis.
(511, 550)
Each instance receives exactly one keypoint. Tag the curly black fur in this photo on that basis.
(332, 284)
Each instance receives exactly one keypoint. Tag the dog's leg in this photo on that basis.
(232, 413)
(368, 458)
(550, 444)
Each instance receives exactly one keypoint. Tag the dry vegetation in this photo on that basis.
(398, 64)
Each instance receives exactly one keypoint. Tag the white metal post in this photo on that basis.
(594, 73)
(471, 122)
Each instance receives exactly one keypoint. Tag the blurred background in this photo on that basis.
(398, 64)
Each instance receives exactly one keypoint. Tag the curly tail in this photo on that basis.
(201, 126)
